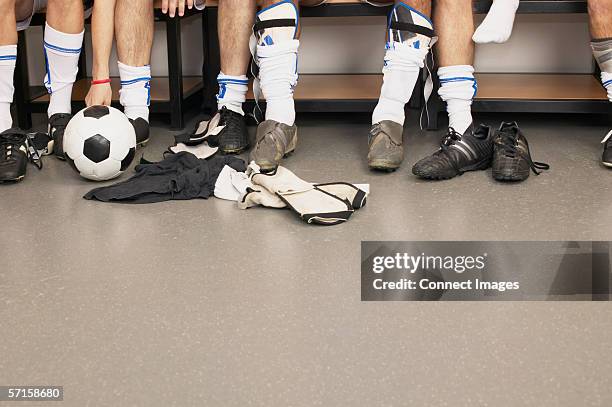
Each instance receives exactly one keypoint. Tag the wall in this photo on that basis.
(541, 43)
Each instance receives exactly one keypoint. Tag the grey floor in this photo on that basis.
(201, 304)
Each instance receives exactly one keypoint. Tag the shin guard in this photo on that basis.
(410, 37)
(275, 47)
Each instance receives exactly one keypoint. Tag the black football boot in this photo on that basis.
(511, 156)
(57, 127)
(458, 153)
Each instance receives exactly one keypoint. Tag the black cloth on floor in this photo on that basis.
(177, 177)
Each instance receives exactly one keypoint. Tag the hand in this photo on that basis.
(170, 6)
(99, 95)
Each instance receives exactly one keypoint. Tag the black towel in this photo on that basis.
(177, 177)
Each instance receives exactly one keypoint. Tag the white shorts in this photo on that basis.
(39, 5)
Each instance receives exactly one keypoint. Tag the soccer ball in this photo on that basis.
(99, 143)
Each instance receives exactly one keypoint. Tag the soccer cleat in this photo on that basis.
(141, 128)
(57, 126)
(458, 153)
(511, 156)
(13, 155)
(273, 142)
(606, 158)
(386, 151)
(233, 138)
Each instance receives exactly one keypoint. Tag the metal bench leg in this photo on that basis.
(212, 59)
(22, 85)
(175, 72)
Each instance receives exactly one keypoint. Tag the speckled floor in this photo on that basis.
(200, 304)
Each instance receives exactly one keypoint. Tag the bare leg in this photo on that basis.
(236, 18)
(134, 31)
(600, 14)
(8, 27)
(66, 15)
(454, 24)
(134, 35)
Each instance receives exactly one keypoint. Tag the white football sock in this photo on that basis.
(405, 56)
(277, 51)
(135, 93)
(497, 25)
(602, 51)
(8, 57)
(62, 59)
(232, 92)
(606, 80)
(458, 88)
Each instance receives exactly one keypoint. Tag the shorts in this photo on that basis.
(39, 5)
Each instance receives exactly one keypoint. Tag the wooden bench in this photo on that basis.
(498, 92)
(580, 93)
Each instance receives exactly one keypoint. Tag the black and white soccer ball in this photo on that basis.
(100, 143)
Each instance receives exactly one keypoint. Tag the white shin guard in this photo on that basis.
(410, 38)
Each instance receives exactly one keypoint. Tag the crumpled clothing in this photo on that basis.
(179, 176)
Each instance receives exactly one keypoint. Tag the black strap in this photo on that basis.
(283, 22)
(413, 28)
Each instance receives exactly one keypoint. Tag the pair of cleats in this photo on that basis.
(480, 148)
(17, 148)
(227, 130)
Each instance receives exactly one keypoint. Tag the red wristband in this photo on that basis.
(101, 81)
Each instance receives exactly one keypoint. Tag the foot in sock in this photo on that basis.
(233, 137)
(62, 52)
(135, 97)
(458, 153)
(8, 58)
(458, 88)
(497, 25)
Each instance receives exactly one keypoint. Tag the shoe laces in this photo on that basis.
(508, 142)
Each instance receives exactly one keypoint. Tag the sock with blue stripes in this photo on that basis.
(62, 52)
(135, 93)
(602, 51)
(404, 58)
(458, 88)
(8, 57)
(232, 92)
